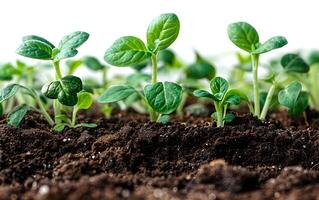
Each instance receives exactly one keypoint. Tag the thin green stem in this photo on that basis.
(180, 108)
(74, 113)
(56, 105)
(219, 112)
(255, 59)
(267, 102)
(153, 114)
(154, 69)
(42, 109)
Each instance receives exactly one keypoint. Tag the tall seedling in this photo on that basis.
(162, 98)
(245, 36)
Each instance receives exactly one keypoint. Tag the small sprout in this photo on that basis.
(245, 36)
(201, 69)
(293, 98)
(64, 89)
(222, 98)
(130, 50)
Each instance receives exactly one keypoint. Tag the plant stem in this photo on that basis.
(254, 60)
(153, 114)
(219, 115)
(56, 105)
(75, 111)
(42, 109)
(267, 102)
(314, 84)
(154, 70)
(181, 106)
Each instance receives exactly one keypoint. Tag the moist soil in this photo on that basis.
(127, 157)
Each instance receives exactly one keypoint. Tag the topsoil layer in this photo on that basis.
(127, 157)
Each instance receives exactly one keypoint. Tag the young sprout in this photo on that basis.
(293, 98)
(223, 97)
(17, 114)
(63, 90)
(245, 36)
(94, 64)
(161, 98)
(85, 100)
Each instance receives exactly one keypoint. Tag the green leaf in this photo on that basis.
(73, 40)
(65, 53)
(236, 92)
(8, 92)
(85, 101)
(162, 32)
(59, 127)
(86, 125)
(313, 57)
(93, 63)
(15, 117)
(243, 35)
(271, 44)
(7, 71)
(232, 99)
(164, 97)
(293, 98)
(38, 38)
(203, 93)
(200, 70)
(294, 63)
(219, 87)
(164, 119)
(64, 90)
(116, 93)
(229, 117)
(128, 50)
(166, 56)
(35, 49)
(73, 65)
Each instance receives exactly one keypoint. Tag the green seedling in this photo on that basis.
(292, 65)
(245, 36)
(63, 90)
(161, 98)
(223, 97)
(294, 98)
(85, 100)
(95, 65)
(16, 114)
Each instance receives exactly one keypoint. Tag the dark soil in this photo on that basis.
(127, 157)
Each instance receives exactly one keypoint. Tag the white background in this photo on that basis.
(203, 22)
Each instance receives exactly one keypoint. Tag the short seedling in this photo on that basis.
(63, 90)
(292, 65)
(162, 98)
(245, 36)
(222, 97)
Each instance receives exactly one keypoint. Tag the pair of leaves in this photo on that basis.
(130, 50)
(200, 69)
(65, 90)
(293, 98)
(163, 97)
(219, 87)
(245, 36)
(39, 48)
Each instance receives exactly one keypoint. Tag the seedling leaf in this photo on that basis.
(243, 35)
(116, 93)
(164, 97)
(93, 63)
(219, 87)
(35, 49)
(73, 40)
(128, 50)
(294, 63)
(85, 101)
(271, 44)
(162, 32)
(15, 116)
(203, 93)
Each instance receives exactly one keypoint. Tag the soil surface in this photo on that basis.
(127, 157)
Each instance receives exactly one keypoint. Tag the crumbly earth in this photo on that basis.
(127, 157)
